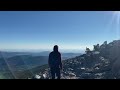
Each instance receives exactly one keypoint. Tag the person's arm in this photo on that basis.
(60, 62)
(49, 60)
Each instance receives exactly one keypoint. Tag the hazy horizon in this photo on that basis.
(42, 50)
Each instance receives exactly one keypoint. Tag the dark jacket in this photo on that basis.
(54, 60)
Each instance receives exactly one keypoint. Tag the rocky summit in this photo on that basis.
(100, 63)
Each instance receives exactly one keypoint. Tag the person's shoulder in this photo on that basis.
(59, 53)
(51, 52)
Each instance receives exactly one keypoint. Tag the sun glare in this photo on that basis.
(118, 23)
(115, 19)
(117, 12)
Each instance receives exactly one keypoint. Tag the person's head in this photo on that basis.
(55, 49)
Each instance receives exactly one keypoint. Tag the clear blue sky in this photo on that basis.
(43, 29)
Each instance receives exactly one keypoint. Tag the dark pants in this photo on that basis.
(55, 72)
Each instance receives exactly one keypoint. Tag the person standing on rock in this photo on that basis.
(55, 63)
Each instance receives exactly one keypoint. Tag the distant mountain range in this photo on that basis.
(12, 63)
(44, 53)
(20, 63)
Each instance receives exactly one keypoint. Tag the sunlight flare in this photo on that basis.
(115, 20)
